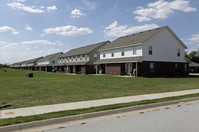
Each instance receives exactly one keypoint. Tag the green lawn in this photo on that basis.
(50, 88)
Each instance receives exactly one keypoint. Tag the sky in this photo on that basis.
(35, 28)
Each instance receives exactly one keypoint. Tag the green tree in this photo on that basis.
(193, 56)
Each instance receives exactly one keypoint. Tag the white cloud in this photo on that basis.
(15, 52)
(162, 9)
(8, 29)
(115, 30)
(42, 42)
(68, 31)
(194, 38)
(29, 28)
(21, 0)
(89, 5)
(51, 8)
(30, 9)
(5, 44)
(77, 13)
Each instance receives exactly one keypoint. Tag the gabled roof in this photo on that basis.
(138, 38)
(33, 60)
(46, 58)
(83, 50)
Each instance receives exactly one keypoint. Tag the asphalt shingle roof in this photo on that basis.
(193, 64)
(83, 50)
(46, 58)
(137, 38)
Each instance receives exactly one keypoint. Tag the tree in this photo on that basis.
(193, 56)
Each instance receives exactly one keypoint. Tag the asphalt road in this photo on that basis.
(177, 119)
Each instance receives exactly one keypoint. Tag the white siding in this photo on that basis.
(43, 63)
(73, 59)
(164, 48)
(128, 52)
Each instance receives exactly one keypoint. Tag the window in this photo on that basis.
(104, 55)
(85, 57)
(72, 58)
(95, 56)
(122, 53)
(134, 51)
(76, 58)
(178, 52)
(151, 67)
(112, 54)
(53, 61)
(80, 57)
(150, 50)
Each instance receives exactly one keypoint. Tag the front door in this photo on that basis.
(128, 68)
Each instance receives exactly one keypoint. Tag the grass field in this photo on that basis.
(50, 88)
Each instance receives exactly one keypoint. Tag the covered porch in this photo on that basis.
(130, 66)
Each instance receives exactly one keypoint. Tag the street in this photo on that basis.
(184, 118)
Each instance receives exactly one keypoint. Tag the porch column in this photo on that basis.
(136, 69)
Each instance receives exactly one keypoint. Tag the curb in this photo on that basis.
(23, 126)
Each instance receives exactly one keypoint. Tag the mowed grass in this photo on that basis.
(51, 88)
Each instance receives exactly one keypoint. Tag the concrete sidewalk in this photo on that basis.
(28, 111)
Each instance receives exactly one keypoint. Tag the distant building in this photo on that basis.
(80, 60)
(48, 62)
(193, 67)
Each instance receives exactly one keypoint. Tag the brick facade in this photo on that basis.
(161, 69)
(164, 69)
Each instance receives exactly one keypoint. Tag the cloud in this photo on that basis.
(21, 0)
(89, 5)
(68, 31)
(16, 52)
(77, 13)
(8, 29)
(194, 38)
(5, 44)
(28, 28)
(51, 8)
(42, 42)
(30, 9)
(162, 9)
(192, 41)
(115, 30)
